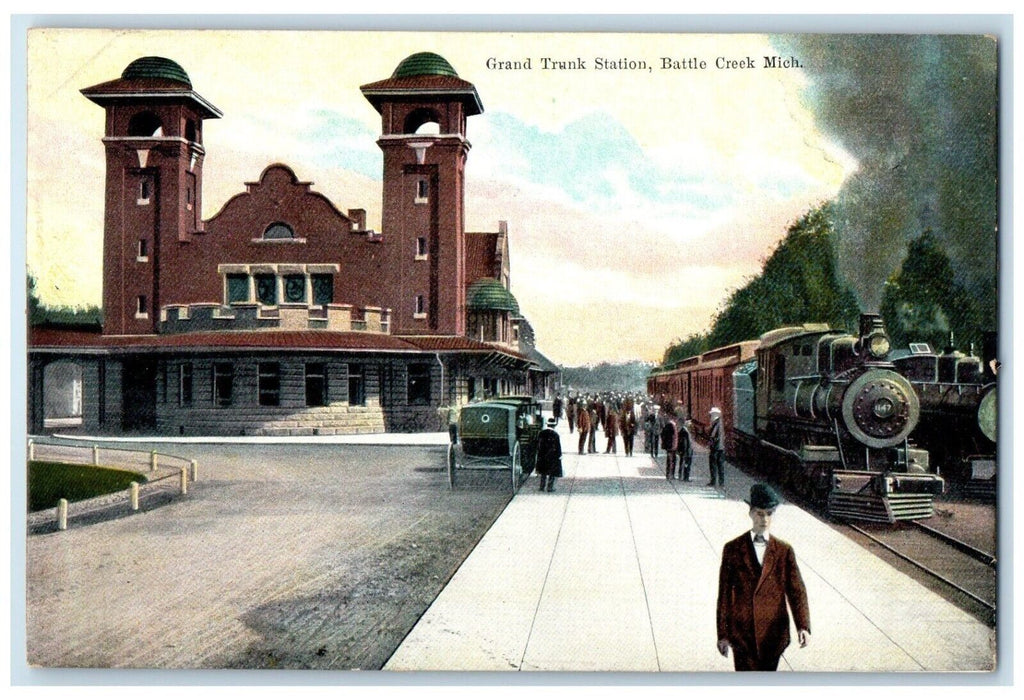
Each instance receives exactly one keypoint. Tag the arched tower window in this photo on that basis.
(422, 121)
(191, 131)
(277, 231)
(145, 124)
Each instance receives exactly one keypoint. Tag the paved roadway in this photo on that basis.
(617, 571)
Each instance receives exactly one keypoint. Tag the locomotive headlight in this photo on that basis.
(878, 346)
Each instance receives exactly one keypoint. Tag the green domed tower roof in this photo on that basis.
(487, 294)
(424, 63)
(156, 67)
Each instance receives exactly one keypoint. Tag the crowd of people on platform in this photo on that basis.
(665, 428)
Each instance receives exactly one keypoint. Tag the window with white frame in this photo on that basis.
(141, 306)
(237, 288)
(421, 248)
(419, 307)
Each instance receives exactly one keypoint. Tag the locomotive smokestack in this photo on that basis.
(870, 323)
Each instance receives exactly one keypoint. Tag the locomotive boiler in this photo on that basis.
(828, 414)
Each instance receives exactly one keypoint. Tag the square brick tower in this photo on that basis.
(154, 147)
(424, 106)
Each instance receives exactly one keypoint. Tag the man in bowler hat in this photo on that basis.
(759, 575)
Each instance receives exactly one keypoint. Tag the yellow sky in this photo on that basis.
(609, 276)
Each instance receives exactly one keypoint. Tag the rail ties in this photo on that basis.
(973, 552)
(931, 572)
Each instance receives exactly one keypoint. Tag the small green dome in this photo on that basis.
(424, 63)
(156, 67)
(487, 294)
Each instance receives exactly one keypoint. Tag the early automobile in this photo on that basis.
(496, 435)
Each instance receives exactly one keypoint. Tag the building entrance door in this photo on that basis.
(138, 395)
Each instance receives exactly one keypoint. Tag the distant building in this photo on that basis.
(283, 314)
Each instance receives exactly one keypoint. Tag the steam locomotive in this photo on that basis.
(821, 411)
(957, 393)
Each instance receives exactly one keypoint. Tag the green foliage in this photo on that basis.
(606, 376)
(923, 302)
(798, 284)
(694, 344)
(40, 315)
(48, 482)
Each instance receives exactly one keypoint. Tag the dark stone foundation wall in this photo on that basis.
(245, 415)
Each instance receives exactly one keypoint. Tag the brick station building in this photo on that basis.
(283, 314)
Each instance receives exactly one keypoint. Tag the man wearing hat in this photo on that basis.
(759, 575)
(716, 452)
(549, 455)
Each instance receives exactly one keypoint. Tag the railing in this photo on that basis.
(167, 476)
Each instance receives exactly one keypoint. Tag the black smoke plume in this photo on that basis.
(920, 115)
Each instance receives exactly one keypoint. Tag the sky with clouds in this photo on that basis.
(635, 200)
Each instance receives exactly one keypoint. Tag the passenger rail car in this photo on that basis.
(958, 412)
(696, 384)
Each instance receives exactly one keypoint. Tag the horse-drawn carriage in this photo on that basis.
(496, 435)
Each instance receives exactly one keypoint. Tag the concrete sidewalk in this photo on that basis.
(618, 569)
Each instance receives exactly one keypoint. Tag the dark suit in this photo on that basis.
(752, 599)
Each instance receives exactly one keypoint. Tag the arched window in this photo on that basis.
(277, 231)
(191, 133)
(422, 121)
(145, 124)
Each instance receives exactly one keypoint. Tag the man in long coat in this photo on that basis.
(549, 456)
(716, 449)
(611, 429)
(759, 575)
(669, 442)
(627, 426)
(583, 425)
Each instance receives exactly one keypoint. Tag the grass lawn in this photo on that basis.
(48, 482)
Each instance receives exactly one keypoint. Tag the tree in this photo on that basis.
(923, 302)
(89, 317)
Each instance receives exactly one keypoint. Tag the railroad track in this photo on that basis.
(962, 573)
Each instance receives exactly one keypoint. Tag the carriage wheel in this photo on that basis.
(517, 468)
(451, 467)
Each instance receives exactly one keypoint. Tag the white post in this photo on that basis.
(195, 470)
(62, 514)
(152, 461)
(31, 450)
(135, 495)
(95, 455)
(184, 481)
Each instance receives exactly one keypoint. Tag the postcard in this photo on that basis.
(404, 351)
